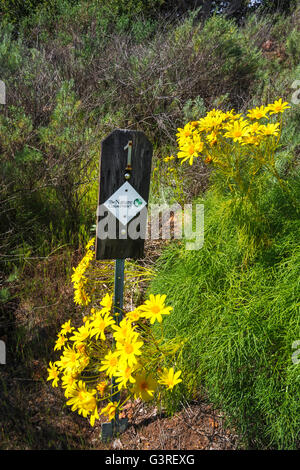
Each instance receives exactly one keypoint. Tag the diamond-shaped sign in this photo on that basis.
(125, 203)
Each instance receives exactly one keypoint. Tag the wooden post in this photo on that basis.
(125, 159)
(125, 169)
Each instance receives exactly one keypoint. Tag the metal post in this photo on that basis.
(112, 428)
(118, 306)
(119, 289)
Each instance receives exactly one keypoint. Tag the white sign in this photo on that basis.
(125, 203)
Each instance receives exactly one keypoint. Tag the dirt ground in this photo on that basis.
(33, 417)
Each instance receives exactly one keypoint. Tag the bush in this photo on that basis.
(241, 323)
(241, 312)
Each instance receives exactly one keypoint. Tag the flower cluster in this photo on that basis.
(209, 137)
(79, 280)
(103, 348)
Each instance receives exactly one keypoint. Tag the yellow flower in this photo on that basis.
(208, 159)
(191, 149)
(237, 131)
(53, 374)
(66, 328)
(212, 138)
(110, 363)
(278, 106)
(68, 382)
(123, 375)
(110, 410)
(170, 379)
(269, 129)
(232, 115)
(69, 361)
(155, 307)
(60, 342)
(81, 334)
(134, 316)
(80, 347)
(90, 243)
(123, 330)
(251, 140)
(83, 361)
(258, 112)
(98, 325)
(101, 387)
(167, 159)
(184, 133)
(80, 295)
(145, 386)
(79, 280)
(254, 128)
(83, 401)
(106, 302)
(129, 349)
(212, 121)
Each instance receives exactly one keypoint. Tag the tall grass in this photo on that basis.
(241, 320)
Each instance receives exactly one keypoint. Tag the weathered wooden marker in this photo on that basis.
(125, 169)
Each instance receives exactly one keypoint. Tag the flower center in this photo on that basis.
(155, 309)
(113, 361)
(128, 348)
(191, 149)
(144, 385)
(237, 133)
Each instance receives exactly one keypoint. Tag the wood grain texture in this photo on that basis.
(113, 163)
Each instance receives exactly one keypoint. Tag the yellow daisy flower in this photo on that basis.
(101, 387)
(123, 375)
(53, 374)
(129, 349)
(60, 342)
(184, 133)
(123, 330)
(81, 334)
(258, 112)
(68, 382)
(278, 106)
(155, 307)
(110, 410)
(83, 400)
(269, 129)
(110, 363)
(98, 325)
(69, 361)
(66, 328)
(170, 379)
(106, 302)
(237, 130)
(134, 316)
(190, 149)
(145, 386)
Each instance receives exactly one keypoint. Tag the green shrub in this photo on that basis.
(293, 46)
(241, 323)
